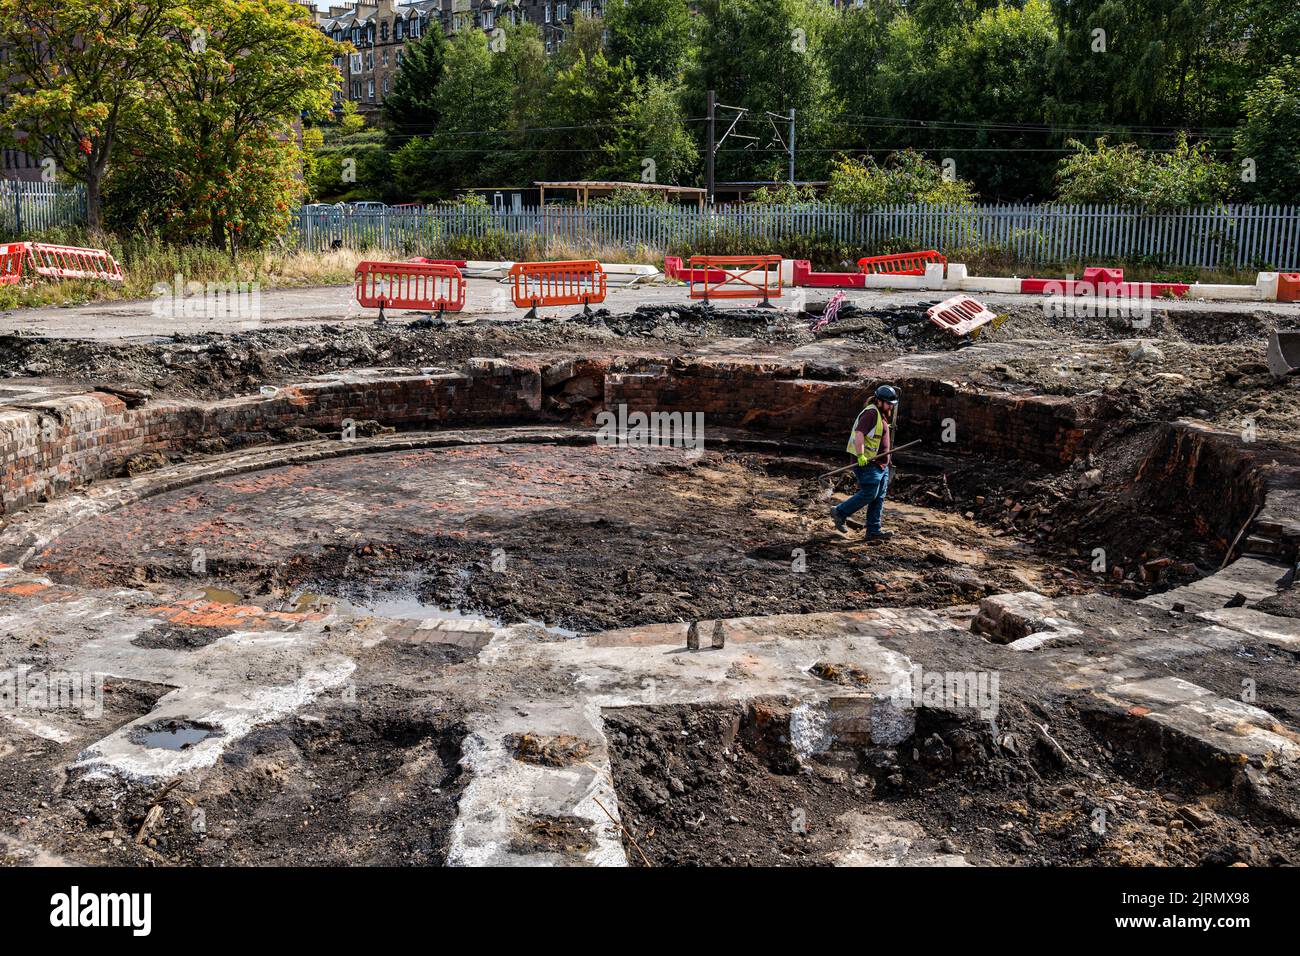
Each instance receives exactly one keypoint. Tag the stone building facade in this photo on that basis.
(381, 31)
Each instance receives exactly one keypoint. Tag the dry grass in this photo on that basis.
(148, 263)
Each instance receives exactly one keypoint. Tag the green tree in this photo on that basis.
(654, 34)
(1269, 136)
(1153, 62)
(649, 141)
(1187, 175)
(75, 74)
(472, 143)
(905, 177)
(350, 119)
(586, 104)
(409, 110)
(220, 139)
(994, 70)
(764, 55)
(586, 38)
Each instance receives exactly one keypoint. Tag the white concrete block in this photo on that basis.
(1211, 290)
(989, 284)
(934, 275)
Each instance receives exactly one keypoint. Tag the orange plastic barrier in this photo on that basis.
(902, 264)
(56, 262)
(960, 315)
(1288, 287)
(11, 263)
(422, 286)
(573, 282)
(735, 277)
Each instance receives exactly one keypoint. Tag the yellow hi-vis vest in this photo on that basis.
(870, 443)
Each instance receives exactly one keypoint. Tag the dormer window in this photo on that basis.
(488, 18)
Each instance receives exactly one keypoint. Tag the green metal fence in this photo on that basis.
(1235, 236)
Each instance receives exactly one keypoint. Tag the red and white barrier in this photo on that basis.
(960, 315)
(20, 260)
(1096, 281)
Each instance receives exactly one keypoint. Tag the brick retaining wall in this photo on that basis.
(62, 444)
(57, 446)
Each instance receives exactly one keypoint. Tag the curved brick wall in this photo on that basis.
(57, 446)
(60, 445)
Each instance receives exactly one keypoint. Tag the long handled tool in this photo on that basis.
(916, 441)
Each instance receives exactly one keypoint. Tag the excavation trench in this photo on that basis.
(587, 537)
(1059, 495)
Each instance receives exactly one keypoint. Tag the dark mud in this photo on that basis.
(1041, 785)
(343, 785)
(582, 547)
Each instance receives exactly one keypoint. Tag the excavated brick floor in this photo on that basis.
(361, 653)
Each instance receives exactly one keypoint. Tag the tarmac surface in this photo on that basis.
(485, 298)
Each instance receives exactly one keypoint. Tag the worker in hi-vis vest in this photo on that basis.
(870, 443)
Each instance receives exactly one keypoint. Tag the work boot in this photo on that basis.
(840, 526)
(879, 535)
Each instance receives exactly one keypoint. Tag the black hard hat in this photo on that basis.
(887, 393)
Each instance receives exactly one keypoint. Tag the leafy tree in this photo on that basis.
(586, 38)
(905, 177)
(1161, 62)
(352, 166)
(585, 103)
(765, 55)
(1188, 175)
(215, 156)
(1270, 134)
(654, 34)
(471, 146)
(649, 126)
(350, 119)
(409, 110)
(994, 70)
(75, 73)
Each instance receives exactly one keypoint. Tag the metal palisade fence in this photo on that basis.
(1228, 236)
(31, 208)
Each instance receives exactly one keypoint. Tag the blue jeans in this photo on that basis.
(873, 482)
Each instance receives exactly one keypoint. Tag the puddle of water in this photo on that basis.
(403, 607)
(175, 736)
(222, 596)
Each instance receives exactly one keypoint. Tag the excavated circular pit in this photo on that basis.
(582, 537)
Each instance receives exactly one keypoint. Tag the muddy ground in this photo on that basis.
(1047, 782)
(585, 538)
(372, 778)
(662, 540)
